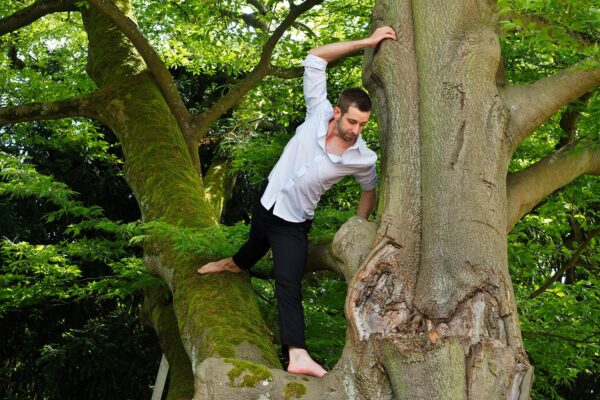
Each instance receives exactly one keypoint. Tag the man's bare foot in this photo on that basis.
(301, 363)
(225, 264)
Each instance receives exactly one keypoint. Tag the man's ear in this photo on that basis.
(337, 113)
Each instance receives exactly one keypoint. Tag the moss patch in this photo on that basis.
(294, 390)
(254, 373)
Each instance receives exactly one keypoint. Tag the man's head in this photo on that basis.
(352, 113)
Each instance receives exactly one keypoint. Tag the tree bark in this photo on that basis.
(435, 300)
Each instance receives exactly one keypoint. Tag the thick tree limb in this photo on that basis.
(531, 105)
(32, 13)
(204, 121)
(84, 106)
(572, 263)
(527, 188)
(155, 65)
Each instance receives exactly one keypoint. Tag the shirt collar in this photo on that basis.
(322, 133)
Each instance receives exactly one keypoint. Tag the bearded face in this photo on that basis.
(351, 123)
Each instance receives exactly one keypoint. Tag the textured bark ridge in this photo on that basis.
(434, 298)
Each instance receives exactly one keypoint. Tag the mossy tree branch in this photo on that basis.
(158, 69)
(84, 106)
(33, 12)
(204, 121)
(528, 187)
(532, 104)
(218, 185)
(158, 313)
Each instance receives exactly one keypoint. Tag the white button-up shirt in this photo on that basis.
(305, 170)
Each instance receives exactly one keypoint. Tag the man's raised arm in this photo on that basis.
(333, 51)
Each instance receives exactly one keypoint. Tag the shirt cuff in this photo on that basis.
(313, 61)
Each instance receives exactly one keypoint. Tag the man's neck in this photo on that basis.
(334, 144)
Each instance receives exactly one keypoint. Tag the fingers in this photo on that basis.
(385, 32)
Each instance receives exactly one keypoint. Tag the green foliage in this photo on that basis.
(70, 267)
(563, 319)
(101, 351)
(212, 242)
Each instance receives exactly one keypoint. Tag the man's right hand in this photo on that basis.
(385, 32)
(333, 51)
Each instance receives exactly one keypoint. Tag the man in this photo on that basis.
(325, 148)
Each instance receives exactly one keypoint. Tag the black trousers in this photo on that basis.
(289, 242)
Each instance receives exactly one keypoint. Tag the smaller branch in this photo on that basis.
(526, 188)
(303, 27)
(155, 64)
(204, 121)
(249, 19)
(541, 21)
(569, 119)
(32, 13)
(569, 265)
(565, 338)
(533, 104)
(286, 73)
(264, 298)
(15, 61)
(260, 7)
(84, 106)
(297, 72)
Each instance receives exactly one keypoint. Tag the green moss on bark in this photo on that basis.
(158, 166)
(294, 390)
(253, 373)
(230, 317)
(111, 56)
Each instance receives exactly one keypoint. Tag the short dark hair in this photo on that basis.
(354, 97)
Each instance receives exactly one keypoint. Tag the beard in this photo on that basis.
(347, 136)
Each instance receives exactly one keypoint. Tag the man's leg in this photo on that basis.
(253, 250)
(290, 250)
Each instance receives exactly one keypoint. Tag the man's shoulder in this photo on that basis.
(312, 61)
(367, 155)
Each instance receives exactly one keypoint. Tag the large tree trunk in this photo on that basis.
(435, 300)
